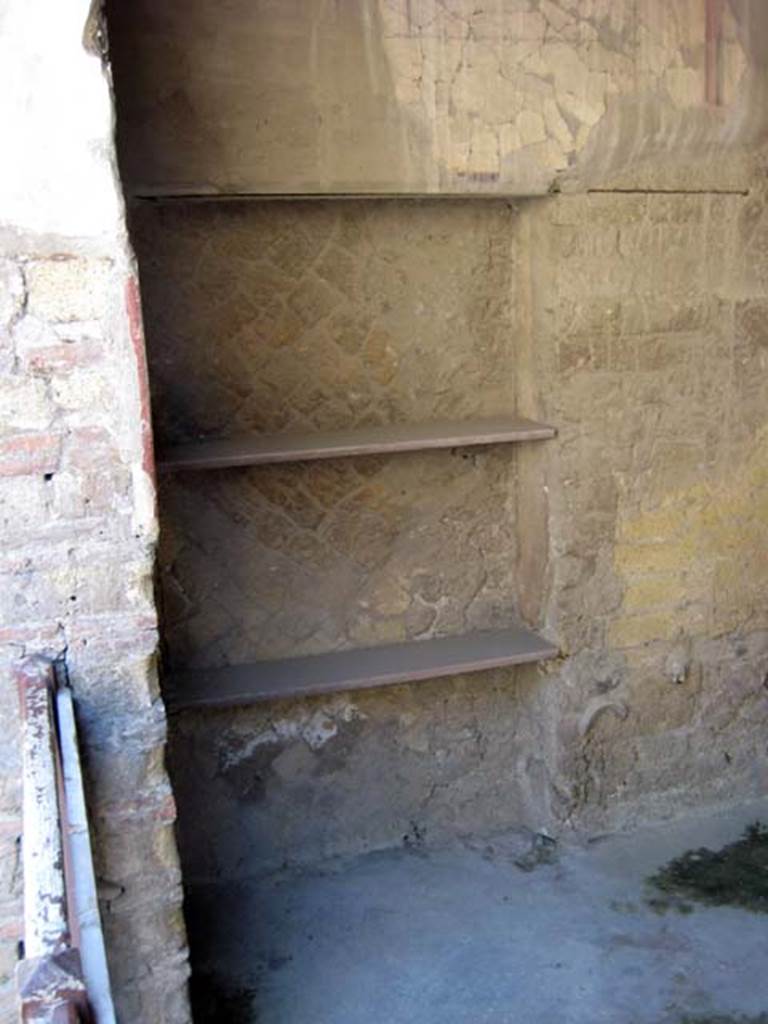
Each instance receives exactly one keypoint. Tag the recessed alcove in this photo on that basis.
(396, 323)
(453, 322)
(366, 316)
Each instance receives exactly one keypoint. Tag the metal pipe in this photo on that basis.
(63, 978)
(93, 954)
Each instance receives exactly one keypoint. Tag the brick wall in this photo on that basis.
(77, 507)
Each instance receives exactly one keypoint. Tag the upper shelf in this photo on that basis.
(203, 195)
(355, 669)
(269, 448)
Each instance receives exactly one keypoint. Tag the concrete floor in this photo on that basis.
(463, 936)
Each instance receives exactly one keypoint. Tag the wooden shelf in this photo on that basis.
(269, 448)
(353, 670)
(203, 194)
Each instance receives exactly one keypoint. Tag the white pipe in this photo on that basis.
(93, 954)
(45, 913)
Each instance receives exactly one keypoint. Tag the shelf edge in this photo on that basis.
(245, 684)
(276, 448)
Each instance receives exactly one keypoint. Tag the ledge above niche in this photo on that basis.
(387, 97)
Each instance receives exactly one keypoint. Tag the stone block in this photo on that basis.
(123, 766)
(57, 356)
(12, 293)
(588, 316)
(751, 323)
(655, 592)
(30, 454)
(114, 671)
(86, 496)
(133, 874)
(68, 288)
(24, 405)
(637, 560)
(85, 390)
(663, 353)
(24, 507)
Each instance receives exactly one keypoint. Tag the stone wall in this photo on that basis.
(307, 317)
(77, 502)
(626, 310)
(280, 316)
(633, 320)
(651, 355)
(636, 539)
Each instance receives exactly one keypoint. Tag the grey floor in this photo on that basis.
(464, 936)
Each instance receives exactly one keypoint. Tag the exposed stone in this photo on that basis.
(77, 554)
(25, 454)
(67, 289)
(77, 584)
(12, 293)
(24, 405)
(634, 322)
(433, 98)
(648, 537)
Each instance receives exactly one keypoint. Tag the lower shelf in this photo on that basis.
(356, 669)
(263, 449)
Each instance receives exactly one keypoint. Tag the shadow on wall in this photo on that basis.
(393, 97)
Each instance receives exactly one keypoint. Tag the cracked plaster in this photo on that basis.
(510, 96)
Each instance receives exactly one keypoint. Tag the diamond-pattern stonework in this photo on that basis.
(291, 560)
(630, 322)
(279, 316)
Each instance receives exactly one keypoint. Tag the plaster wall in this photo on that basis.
(651, 357)
(512, 97)
(294, 316)
(77, 500)
(281, 316)
(635, 539)
(628, 315)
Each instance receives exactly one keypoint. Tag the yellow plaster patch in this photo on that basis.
(655, 592)
(698, 561)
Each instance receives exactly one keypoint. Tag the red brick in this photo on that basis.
(148, 808)
(91, 448)
(13, 929)
(133, 308)
(29, 454)
(60, 358)
(38, 635)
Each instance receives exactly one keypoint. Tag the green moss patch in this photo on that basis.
(736, 876)
(727, 1019)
